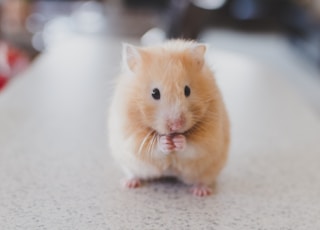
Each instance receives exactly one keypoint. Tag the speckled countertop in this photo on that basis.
(56, 173)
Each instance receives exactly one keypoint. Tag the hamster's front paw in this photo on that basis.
(166, 145)
(179, 142)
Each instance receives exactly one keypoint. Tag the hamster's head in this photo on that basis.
(169, 86)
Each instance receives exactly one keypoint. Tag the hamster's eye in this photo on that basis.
(187, 91)
(156, 94)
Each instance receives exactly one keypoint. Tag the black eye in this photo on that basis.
(187, 91)
(156, 94)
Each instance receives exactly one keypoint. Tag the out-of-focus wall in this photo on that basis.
(316, 4)
(13, 16)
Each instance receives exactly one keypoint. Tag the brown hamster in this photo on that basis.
(167, 116)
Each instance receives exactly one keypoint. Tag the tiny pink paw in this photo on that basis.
(165, 144)
(201, 190)
(179, 142)
(132, 183)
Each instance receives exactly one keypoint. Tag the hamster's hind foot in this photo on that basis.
(132, 183)
(201, 190)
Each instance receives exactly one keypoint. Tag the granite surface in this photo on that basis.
(56, 173)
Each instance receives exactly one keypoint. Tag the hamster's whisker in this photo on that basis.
(153, 141)
(150, 144)
(144, 142)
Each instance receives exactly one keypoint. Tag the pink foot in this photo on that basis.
(132, 183)
(165, 144)
(179, 142)
(201, 190)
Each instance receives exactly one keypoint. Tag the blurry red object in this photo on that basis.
(12, 61)
(3, 81)
(13, 56)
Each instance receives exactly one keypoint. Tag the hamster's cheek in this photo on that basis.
(147, 112)
(188, 121)
(159, 122)
(160, 127)
(197, 110)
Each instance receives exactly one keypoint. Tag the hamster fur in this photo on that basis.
(167, 116)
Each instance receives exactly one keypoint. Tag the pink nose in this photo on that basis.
(176, 125)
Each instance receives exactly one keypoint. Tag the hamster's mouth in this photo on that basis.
(185, 132)
(182, 132)
(175, 133)
(171, 134)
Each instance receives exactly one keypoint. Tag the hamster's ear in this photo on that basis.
(198, 52)
(131, 57)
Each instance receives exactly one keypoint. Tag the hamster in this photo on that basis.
(167, 116)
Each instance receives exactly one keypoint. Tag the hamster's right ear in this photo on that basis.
(131, 57)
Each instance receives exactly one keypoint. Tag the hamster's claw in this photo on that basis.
(179, 142)
(165, 144)
(201, 190)
(132, 183)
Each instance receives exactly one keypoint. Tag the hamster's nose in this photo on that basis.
(176, 125)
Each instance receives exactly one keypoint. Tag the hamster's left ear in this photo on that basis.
(131, 57)
(198, 53)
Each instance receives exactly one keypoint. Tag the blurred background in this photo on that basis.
(284, 34)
